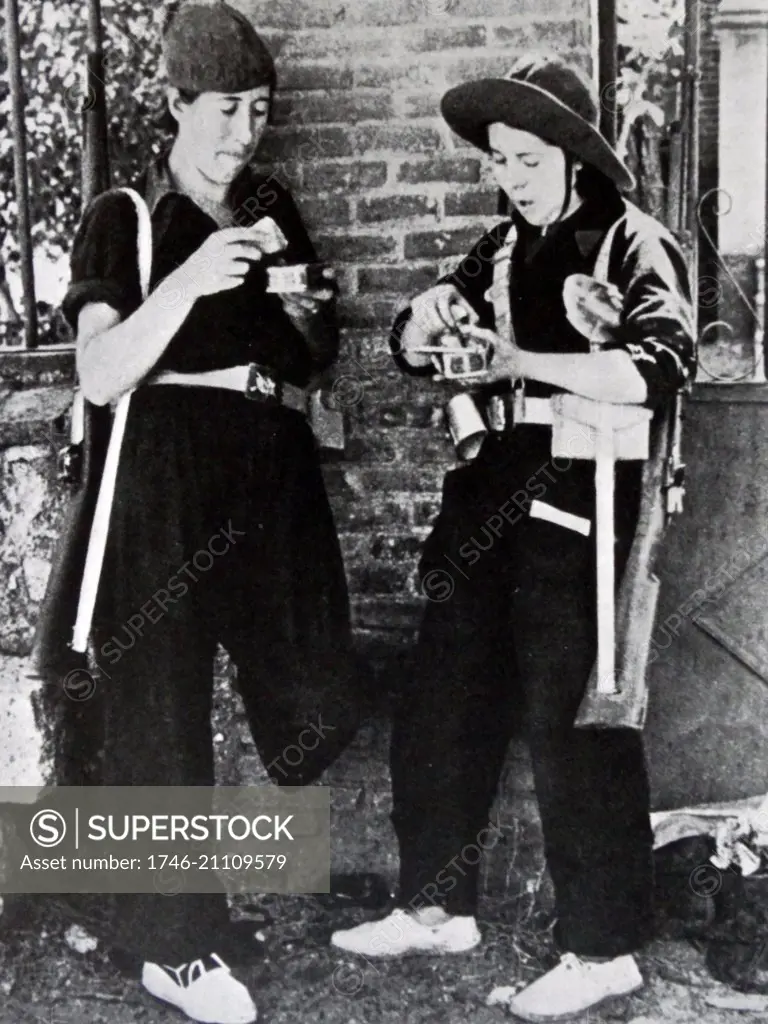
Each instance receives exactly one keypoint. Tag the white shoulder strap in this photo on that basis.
(97, 542)
(498, 293)
(144, 239)
(602, 263)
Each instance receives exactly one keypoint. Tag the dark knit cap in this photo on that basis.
(211, 47)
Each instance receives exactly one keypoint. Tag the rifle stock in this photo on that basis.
(636, 604)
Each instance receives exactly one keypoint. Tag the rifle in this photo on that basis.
(82, 461)
(617, 693)
(626, 707)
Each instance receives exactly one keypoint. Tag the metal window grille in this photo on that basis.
(95, 164)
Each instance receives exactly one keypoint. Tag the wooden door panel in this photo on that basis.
(707, 733)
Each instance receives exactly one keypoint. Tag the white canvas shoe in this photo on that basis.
(206, 992)
(400, 933)
(575, 986)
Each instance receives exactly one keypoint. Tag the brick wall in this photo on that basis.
(391, 198)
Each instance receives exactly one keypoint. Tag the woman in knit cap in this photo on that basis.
(510, 638)
(217, 457)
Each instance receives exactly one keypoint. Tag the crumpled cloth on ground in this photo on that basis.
(730, 818)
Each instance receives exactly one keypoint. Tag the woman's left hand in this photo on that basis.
(506, 357)
(303, 306)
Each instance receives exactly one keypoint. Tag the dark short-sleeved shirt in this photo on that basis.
(646, 264)
(245, 324)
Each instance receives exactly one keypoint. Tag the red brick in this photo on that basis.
(438, 584)
(483, 203)
(467, 68)
(448, 169)
(461, 145)
(286, 14)
(361, 383)
(400, 280)
(394, 548)
(251, 770)
(355, 548)
(363, 481)
(374, 13)
(396, 386)
(308, 144)
(274, 40)
(390, 614)
(345, 107)
(371, 514)
(450, 37)
(396, 207)
(376, 355)
(370, 44)
(383, 579)
(389, 385)
(425, 511)
(422, 104)
(352, 177)
(398, 74)
(394, 138)
(355, 248)
(383, 547)
(523, 9)
(399, 414)
(378, 360)
(333, 212)
(287, 173)
(310, 46)
(556, 34)
(428, 245)
(368, 312)
(377, 446)
(314, 76)
(411, 445)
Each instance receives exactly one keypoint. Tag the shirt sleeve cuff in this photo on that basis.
(113, 293)
(396, 348)
(658, 362)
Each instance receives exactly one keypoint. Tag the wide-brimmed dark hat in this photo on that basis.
(546, 98)
(211, 47)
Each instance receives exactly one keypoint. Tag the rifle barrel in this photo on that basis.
(95, 169)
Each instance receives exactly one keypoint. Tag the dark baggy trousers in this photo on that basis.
(508, 641)
(221, 533)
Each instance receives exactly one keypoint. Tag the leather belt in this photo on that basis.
(505, 412)
(532, 410)
(252, 380)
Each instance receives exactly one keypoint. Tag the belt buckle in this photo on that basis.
(496, 414)
(518, 402)
(261, 386)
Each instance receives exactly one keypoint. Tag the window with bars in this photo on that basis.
(78, 100)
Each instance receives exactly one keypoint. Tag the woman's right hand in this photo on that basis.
(441, 309)
(221, 262)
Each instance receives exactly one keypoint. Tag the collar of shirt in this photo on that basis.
(160, 183)
(587, 226)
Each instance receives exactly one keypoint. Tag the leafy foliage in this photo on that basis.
(54, 45)
(651, 56)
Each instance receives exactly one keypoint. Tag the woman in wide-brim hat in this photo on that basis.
(220, 529)
(509, 633)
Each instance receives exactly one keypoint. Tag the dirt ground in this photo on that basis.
(296, 976)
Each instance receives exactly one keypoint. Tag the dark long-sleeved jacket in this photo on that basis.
(646, 264)
(656, 329)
